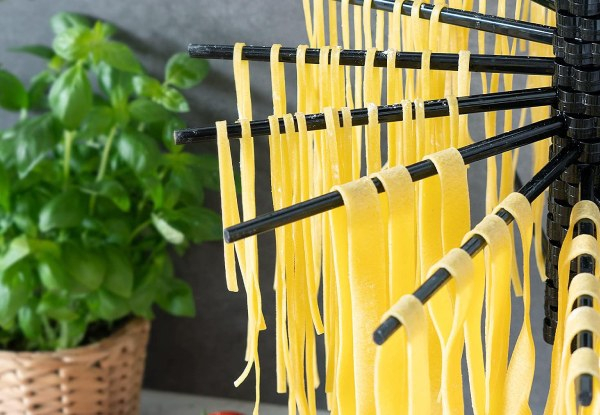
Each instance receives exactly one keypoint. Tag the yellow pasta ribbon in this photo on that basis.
(411, 313)
(390, 360)
(519, 377)
(368, 275)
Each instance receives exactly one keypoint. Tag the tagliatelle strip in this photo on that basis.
(411, 313)
(584, 209)
(495, 232)
(583, 361)
(390, 360)
(521, 368)
(368, 275)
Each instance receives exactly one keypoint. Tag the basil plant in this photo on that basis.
(94, 195)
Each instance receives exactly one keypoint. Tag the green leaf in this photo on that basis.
(86, 266)
(175, 296)
(98, 121)
(146, 86)
(14, 293)
(53, 275)
(147, 111)
(64, 210)
(186, 180)
(174, 123)
(119, 273)
(17, 250)
(5, 189)
(65, 20)
(154, 188)
(38, 89)
(56, 306)
(117, 85)
(173, 100)
(185, 72)
(41, 51)
(117, 55)
(114, 191)
(30, 323)
(139, 151)
(72, 44)
(70, 97)
(13, 95)
(168, 232)
(35, 138)
(108, 306)
(198, 223)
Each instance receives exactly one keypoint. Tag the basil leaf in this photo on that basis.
(70, 97)
(30, 322)
(65, 20)
(119, 273)
(107, 306)
(139, 151)
(17, 250)
(115, 192)
(41, 51)
(56, 306)
(147, 111)
(64, 210)
(13, 95)
(185, 72)
(35, 138)
(173, 100)
(86, 266)
(117, 55)
(168, 232)
(72, 44)
(175, 297)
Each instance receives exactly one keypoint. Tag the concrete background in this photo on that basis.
(204, 355)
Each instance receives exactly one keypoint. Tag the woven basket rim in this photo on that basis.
(133, 325)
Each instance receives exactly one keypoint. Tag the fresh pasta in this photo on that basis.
(340, 273)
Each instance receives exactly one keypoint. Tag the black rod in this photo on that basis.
(409, 60)
(472, 20)
(584, 384)
(536, 186)
(535, 97)
(418, 171)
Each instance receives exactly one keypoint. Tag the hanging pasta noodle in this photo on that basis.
(578, 320)
(390, 361)
(582, 210)
(411, 313)
(519, 377)
(367, 275)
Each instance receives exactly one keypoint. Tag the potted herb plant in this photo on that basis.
(93, 197)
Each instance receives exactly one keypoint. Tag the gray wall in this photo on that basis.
(204, 355)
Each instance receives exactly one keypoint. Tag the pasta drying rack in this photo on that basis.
(572, 172)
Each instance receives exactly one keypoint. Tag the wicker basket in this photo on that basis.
(103, 378)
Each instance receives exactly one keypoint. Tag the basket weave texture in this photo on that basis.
(102, 378)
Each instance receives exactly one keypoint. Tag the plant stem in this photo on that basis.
(50, 335)
(23, 114)
(139, 229)
(68, 138)
(103, 164)
(105, 154)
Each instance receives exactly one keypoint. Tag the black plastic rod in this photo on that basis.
(584, 384)
(418, 171)
(472, 20)
(409, 60)
(536, 97)
(475, 244)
